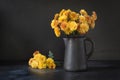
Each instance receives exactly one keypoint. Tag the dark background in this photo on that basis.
(25, 27)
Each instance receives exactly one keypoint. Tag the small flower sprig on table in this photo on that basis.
(72, 23)
(40, 61)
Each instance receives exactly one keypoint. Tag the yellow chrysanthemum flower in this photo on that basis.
(54, 24)
(42, 65)
(42, 58)
(73, 16)
(49, 60)
(62, 18)
(67, 12)
(94, 15)
(30, 61)
(72, 25)
(93, 18)
(50, 63)
(33, 63)
(67, 31)
(63, 25)
(51, 66)
(88, 19)
(37, 57)
(36, 52)
(82, 18)
(84, 27)
(92, 25)
(57, 32)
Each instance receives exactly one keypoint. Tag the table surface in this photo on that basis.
(97, 70)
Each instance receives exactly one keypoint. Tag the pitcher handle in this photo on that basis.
(92, 47)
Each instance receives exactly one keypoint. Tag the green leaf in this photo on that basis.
(50, 55)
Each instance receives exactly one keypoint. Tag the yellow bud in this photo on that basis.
(61, 12)
(56, 16)
(83, 12)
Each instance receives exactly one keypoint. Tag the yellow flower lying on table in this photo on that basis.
(41, 62)
(50, 63)
(70, 22)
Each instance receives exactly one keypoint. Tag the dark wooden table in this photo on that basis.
(97, 70)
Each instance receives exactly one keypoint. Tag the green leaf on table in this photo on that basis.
(50, 55)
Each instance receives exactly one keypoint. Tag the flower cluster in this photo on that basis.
(72, 23)
(41, 62)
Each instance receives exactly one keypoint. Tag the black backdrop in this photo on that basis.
(25, 27)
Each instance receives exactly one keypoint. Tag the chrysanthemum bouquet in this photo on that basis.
(40, 61)
(72, 23)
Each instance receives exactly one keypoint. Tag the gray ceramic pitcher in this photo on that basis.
(75, 58)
